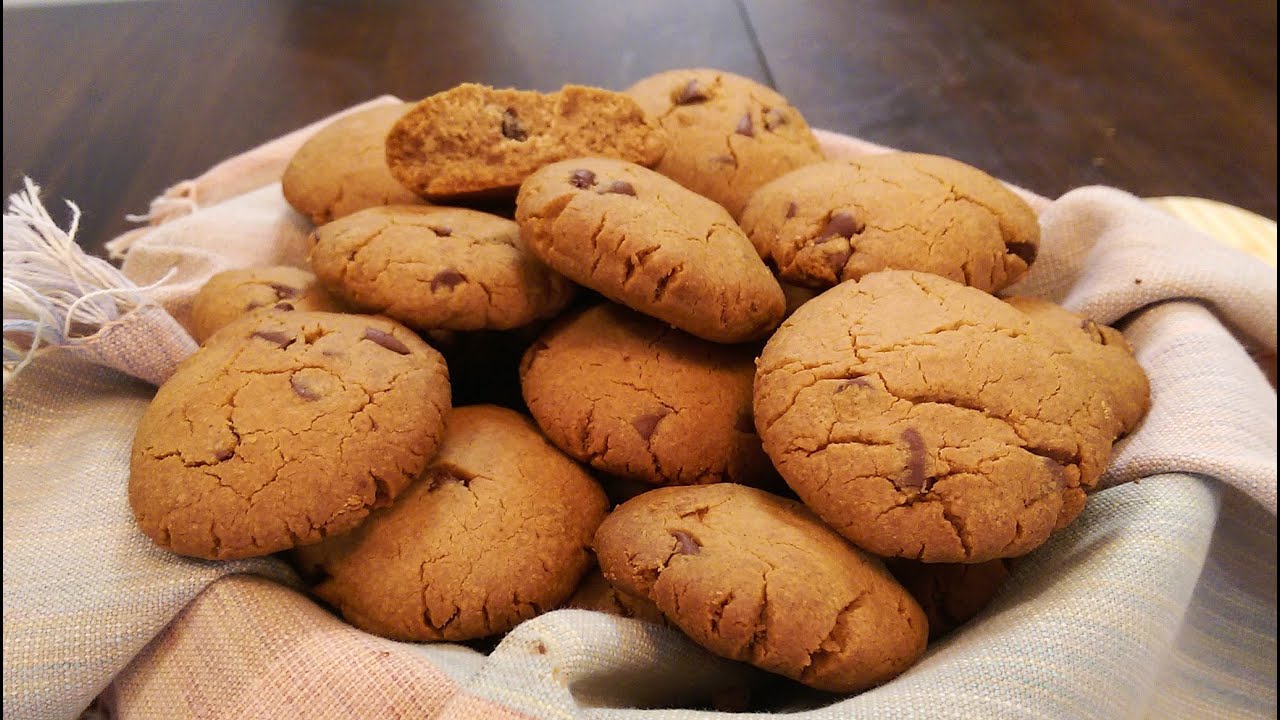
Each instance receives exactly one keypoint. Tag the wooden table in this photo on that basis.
(108, 104)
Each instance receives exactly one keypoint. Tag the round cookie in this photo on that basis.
(232, 293)
(595, 593)
(436, 268)
(343, 167)
(635, 398)
(285, 429)
(644, 241)
(836, 221)
(728, 135)
(474, 139)
(1104, 350)
(951, 594)
(758, 578)
(925, 419)
(496, 532)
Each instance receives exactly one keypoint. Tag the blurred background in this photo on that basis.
(109, 103)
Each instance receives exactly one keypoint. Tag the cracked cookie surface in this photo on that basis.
(835, 221)
(436, 268)
(284, 429)
(925, 419)
(496, 531)
(233, 293)
(1104, 350)
(637, 399)
(642, 240)
(758, 578)
(728, 135)
(343, 167)
(477, 140)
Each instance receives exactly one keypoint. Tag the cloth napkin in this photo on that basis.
(1158, 601)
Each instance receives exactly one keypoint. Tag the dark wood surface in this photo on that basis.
(108, 104)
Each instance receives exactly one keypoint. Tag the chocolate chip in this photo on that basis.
(1026, 251)
(619, 187)
(646, 424)
(745, 127)
(691, 93)
(837, 259)
(915, 479)
(224, 454)
(447, 279)
(511, 127)
(842, 224)
(302, 390)
(284, 291)
(846, 384)
(442, 231)
(686, 544)
(283, 306)
(745, 423)
(724, 160)
(774, 118)
(582, 179)
(386, 340)
(791, 210)
(1058, 473)
(274, 336)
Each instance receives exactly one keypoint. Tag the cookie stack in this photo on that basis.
(776, 400)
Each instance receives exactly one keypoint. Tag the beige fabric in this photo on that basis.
(1157, 602)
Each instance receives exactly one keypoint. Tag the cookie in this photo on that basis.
(757, 578)
(232, 293)
(285, 429)
(595, 593)
(644, 241)
(928, 420)
(343, 167)
(951, 594)
(632, 397)
(728, 135)
(474, 139)
(836, 221)
(496, 532)
(436, 268)
(1105, 351)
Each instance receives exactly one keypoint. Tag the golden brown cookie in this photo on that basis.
(436, 268)
(728, 135)
(595, 593)
(951, 594)
(757, 578)
(925, 419)
(284, 429)
(496, 532)
(644, 241)
(232, 293)
(836, 221)
(474, 139)
(343, 167)
(635, 398)
(1106, 353)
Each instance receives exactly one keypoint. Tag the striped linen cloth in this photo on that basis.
(1158, 602)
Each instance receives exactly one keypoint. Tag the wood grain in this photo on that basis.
(108, 104)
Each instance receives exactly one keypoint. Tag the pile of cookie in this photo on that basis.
(776, 400)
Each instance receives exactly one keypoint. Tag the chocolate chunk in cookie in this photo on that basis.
(496, 532)
(233, 293)
(285, 429)
(655, 247)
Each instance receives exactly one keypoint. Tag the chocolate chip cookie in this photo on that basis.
(230, 294)
(635, 398)
(836, 221)
(1106, 353)
(758, 578)
(644, 241)
(436, 268)
(285, 429)
(925, 419)
(343, 167)
(595, 593)
(474, 139)
(728, 135)
(496, 531)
